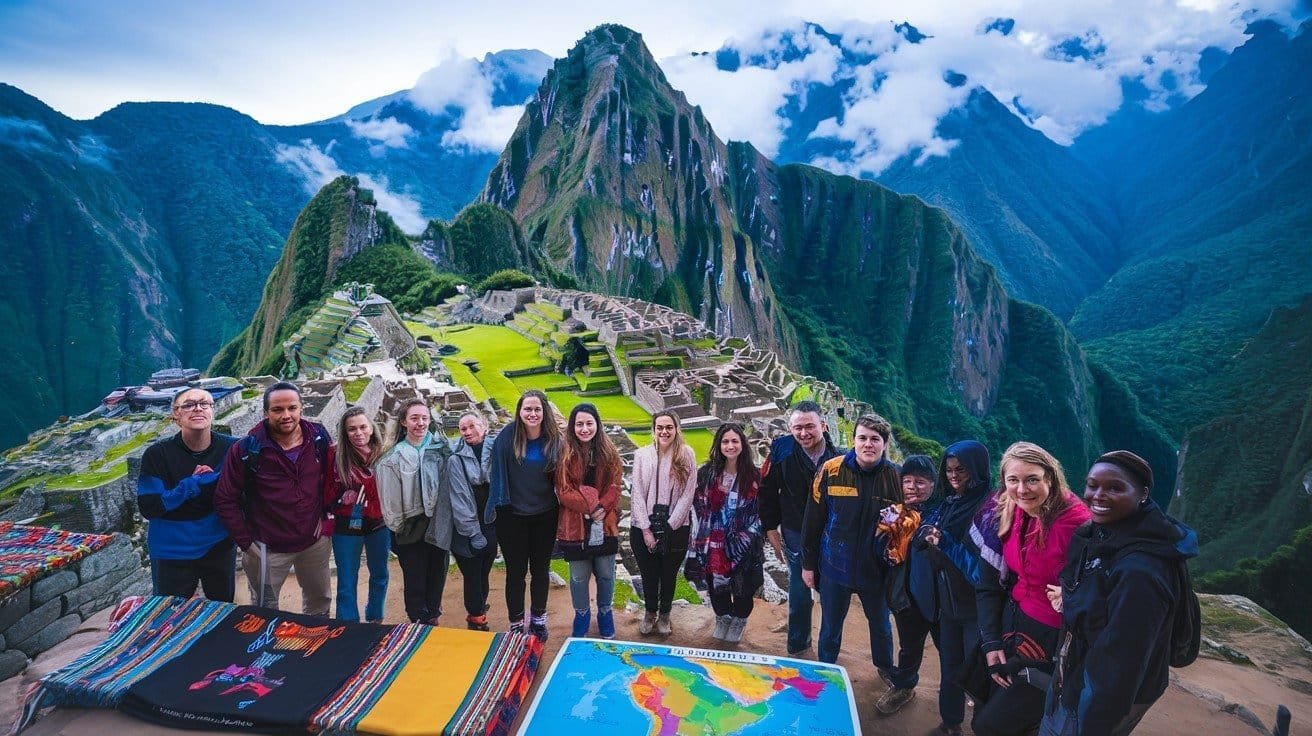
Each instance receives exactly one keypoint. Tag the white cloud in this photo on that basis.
(387, 132)
(458, 86)
(318, 168)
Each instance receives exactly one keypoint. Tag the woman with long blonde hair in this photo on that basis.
(664, 479)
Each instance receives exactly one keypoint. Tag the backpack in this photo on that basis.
(250, 451)
(1186, 616)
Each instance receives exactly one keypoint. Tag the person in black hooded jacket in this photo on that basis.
(945, 568)
(1118, 593)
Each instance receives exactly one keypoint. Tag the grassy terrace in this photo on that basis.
(497, 349)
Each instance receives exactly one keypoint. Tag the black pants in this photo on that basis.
(912, 628)
(725, 603)
(659, 569)
(216, 573)
(423, 578)
(1010, 711)
(475, 571)
(526, 543)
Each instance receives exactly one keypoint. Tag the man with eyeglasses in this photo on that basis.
(175, 491)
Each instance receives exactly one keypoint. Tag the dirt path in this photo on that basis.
(1190, 705)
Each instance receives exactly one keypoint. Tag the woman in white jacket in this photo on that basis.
(664, 479)
(409, 476)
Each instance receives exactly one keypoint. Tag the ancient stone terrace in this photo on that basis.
(354, 325)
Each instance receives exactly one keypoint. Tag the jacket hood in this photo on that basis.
(975, 458)
(1150, 530)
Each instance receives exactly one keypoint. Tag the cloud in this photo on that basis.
(387, 132)
(317, 167)
(1059, 66)
(461, 88)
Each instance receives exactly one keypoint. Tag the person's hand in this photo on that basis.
(478, 542)
(1054, 597)
(933, 535)
(777, 544)
(202, 470)
(808, 577)
(999, 659)
(650, 539)
(348, 498)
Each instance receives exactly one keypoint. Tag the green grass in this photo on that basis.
(624, 592)
(118, 451)
(89, 479)
(354, 389)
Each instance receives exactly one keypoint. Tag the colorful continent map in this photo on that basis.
(620, 687)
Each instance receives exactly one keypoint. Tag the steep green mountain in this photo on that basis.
(1217, 210)
(341, 225)
(624, 188)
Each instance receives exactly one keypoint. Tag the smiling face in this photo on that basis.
(359, 430)
(585, 427)
(1111, 493)
(957, 475)
(284, 412)
(472, 429)
(731, 446)
(808, 429)
(416, 421)
(916, 489)
(869, 446)
(664, 429)
(193, 409)
(1027, 484)
(530, 412)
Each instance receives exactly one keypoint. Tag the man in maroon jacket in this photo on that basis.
(270, 498)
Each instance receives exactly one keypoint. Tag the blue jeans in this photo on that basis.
(957, 639)
(346, 551)
(799, 596)
(835, 598)
(601, 567)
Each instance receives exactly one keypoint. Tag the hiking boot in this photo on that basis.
(537, 626)
(721, 627)
(477, 623)
(516, 627)
(582, 620)
(734, 633)
(648, 623)
(606, 623)
(893, 699)
(663, 626)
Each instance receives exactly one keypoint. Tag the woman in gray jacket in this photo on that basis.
(473, 544)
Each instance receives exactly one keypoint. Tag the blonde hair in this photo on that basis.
(1059, 494)
(398, 430)
(679, 466)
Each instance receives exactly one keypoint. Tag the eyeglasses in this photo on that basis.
(194, 405)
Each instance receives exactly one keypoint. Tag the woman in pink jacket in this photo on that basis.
(664, 478)
(1030, 524)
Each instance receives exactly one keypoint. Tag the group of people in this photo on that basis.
(1049, 612)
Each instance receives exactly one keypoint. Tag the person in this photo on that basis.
(839, 558)
(1033, 520)
(587, 532)
(175, 492)
(270, 498)
(918, 476)
(1125, 576)
(944, 587)
(351, 494)
(730, 544)
(786, 479)
(473, 543)
(663, 484)
(522, 502)
(409, 475)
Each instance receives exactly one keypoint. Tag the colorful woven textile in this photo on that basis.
(29, 552)
(200, 663)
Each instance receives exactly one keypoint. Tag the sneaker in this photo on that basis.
(734, 633)
(946, 730)
(721, 626)
(538, 627)
(794, 651)
(516, 627)
(606, 624)
(582, 620)
(648, 623)
(663, 626)
(432, 621)
(893, 699)
(478, 623)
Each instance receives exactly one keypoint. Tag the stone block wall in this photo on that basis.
(45, 613)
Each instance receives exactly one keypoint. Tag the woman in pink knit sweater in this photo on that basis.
(1033, 521)
(664, 478)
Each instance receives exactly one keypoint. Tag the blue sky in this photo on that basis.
(294, 62)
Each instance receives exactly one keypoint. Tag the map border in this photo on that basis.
(721, 654)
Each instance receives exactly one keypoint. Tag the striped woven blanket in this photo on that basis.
(29, 552)
(197, 663)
